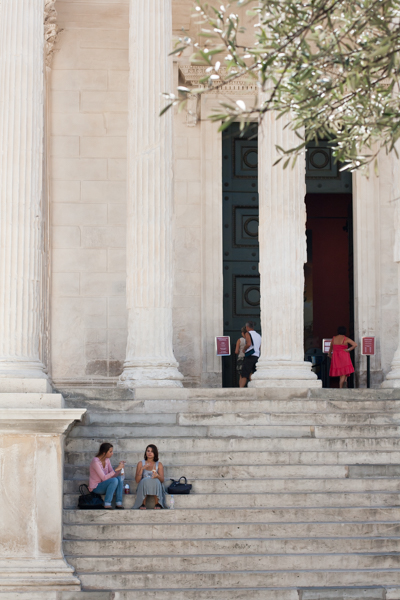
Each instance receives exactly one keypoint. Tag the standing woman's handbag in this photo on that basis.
(89, 500)
(177, 487)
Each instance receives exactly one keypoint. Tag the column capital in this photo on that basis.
(51, 30)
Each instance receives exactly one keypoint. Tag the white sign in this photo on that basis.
(326, 344)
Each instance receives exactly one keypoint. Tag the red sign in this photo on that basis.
(326, 344)
(223, 344)
(368, 345)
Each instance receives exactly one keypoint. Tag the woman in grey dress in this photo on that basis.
(150, 478)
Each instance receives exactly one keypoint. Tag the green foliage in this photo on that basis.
(332, 64)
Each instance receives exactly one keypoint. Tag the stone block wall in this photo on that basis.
(88, 100)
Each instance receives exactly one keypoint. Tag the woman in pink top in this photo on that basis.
(103, 479)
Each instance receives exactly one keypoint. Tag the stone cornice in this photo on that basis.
(192, 74)
(51, 30)
(38, 420)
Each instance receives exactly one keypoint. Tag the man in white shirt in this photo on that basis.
(252, 351)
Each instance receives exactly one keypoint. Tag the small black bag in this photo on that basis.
(177, 487)
(89, 500)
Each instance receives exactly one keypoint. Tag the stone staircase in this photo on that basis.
(295, 495)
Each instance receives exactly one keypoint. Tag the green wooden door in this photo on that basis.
(240, 238)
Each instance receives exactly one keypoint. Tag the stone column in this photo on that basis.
(392, 379)
(31, 467)
(149, 357)
(21, 155)
(367, 276)
(282, 256)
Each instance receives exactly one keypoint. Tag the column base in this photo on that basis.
(22, 369)
(22, 385)
(33, 575)
(392, 379)
(152, 376)
(284, 374)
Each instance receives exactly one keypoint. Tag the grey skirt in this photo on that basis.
(150, 487)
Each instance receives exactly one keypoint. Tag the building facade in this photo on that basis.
(128, 241)
(113, 250)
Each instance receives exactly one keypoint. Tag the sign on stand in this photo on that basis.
(368, 346)
(223, 345)
(326, 344)
(368, 350)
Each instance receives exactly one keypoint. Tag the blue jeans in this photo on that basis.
(109, 487)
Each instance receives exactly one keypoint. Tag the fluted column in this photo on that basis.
(392, 379)
(21, 154)
(282, 256)
(149, 358)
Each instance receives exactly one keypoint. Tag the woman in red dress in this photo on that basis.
(339, 352)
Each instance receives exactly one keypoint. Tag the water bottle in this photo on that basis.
(172, 503)
(122, 473)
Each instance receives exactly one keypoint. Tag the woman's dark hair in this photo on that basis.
(155, 450)
(341, 330)
(104, 448)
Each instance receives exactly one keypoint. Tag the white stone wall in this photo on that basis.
(89, 82)
(188, 231)
(388, 278)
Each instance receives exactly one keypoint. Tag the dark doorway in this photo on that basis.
(328, 295)
(240, 239)
(328, 273)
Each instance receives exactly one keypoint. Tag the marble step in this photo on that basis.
(284, 393)
(239, 530)
(188, 547)
(53, 595)
(243, 458)
(255, 500)
(337, 593)
(243, 562)
(230, 471)
(364, 593)
(236, 405)
(162, 580)
(221, 431)
(241, 419)
(279, 485)
(157, 431)
(282, 419)
(179, 444)
(132, 518)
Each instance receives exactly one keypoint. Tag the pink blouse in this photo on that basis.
(99, 473)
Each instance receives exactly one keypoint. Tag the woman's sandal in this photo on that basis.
(158, 506)
(143, 507)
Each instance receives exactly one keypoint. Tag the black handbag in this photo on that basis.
(177, 487)
(89, 500)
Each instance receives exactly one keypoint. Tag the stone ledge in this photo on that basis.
(36, 574)
(21, 385)
(39, 420)
(31, 400)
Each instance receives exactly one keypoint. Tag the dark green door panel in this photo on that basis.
(240, 239)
